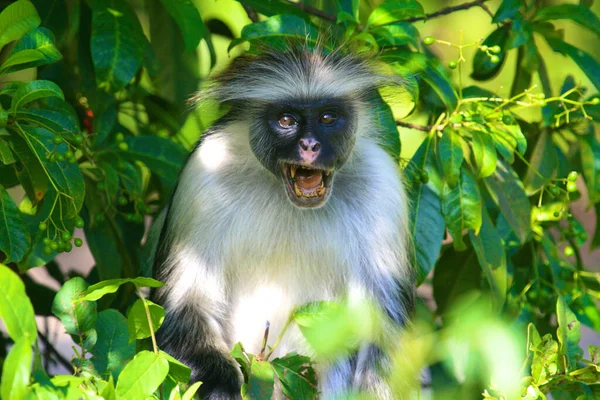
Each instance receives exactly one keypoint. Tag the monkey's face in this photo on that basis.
(304, 144)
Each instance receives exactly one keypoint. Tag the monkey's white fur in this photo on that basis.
(242, 252)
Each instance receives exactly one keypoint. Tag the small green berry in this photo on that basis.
(554, 191)
(556, 214)
(569, 251)
(495, 49)
(66, 236)
(572, 177)
(60, 157)
(484, 47)
(122, 200)
(122, 165)
(429, 40)
(42, 226)
(48, 250)
(46, 241)
(61, 246)
(583, 236)
(99, 217)
(78, 242)
(68, 247)
(78, 139)
(424, 176)
(571, 187)
(79, 222)
(507, 120)
(123, 146)
(57, 140)
(119, 137)
(54, 245)
(595, 101)
(52, 158)
(495, 59)
(452, 64)
(128, 217)
(69, 155)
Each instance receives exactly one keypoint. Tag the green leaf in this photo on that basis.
(14, 235)
(568, 333)
(6, 155)
(455, 275)
(590, 163)
(508, 9)
(585, 61)
(278, 29)
(543, 160)
(461, 207)
(484, 151)
(162, 156)
(243, 358)
(274, 7)
(575, 12)
(191, 391)
(188, 18)
(384, 120)
(15, 307)
(261, 381)
(596, 239)
(489, 248)
(142, 376)
(396, 35)
(16, 20)
(67, 177)
(451, 156)
(59, 121)
(40, 42)
(178, 371)
(137, 320)
(297, 376)
(100, 289)
(77, 315)
(22, 57)
(507, 191)
(34, 90)
(112, 349)
(16, 370)
(483, 67)
(391, 11)
(428, 69)
(117, 44)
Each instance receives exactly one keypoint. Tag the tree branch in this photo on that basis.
(59, 357)
(422, 128)
(312, 11)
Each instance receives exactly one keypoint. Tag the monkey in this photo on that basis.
(287, 199)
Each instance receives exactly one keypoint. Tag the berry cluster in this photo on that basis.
(61, 240)
(65, 153)
(492, 52)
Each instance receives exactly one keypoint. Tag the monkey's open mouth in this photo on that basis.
(306, 186)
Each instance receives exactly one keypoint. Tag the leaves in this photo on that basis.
(15, 307)
(575, 12)
(100, 289)
(113, 349)
(451, 156)
(543, 161)
(484, 152)
(16, 20)
(14, 236)
(77, 315)
(585, 61)
(137, 320)
(391, 11)
(261, 381)
(188, 18)
(568, 333)
(483, 67)
(116, 37)
(34, 90)
(35, 49)
(590, 162)
(142, 376)
(461, 207)
(296, 375)
(16, 370)
(162, 156)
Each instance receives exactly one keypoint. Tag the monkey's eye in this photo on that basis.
(327, 118)
(286, 121)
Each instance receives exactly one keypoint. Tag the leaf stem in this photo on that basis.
(280, 337)
(152, 335)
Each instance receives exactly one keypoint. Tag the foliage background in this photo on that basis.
(124, 179)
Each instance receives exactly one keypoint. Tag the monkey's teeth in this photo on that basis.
(293, 171)
(297, 190)
(327, 173)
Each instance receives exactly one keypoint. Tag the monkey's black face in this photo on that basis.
(304, 144)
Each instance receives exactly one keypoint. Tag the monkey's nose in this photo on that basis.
(310, 144)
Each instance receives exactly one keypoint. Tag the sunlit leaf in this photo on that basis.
(575, 12)
(142, 376)
(16, 370)
(16, 20)
(395, 10)
(112, 349)
(16, 309)
(14, 235)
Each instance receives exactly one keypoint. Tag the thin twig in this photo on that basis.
(149, 318)
(59, 357)
(448, 10)
(251, 13)
(423, 128)
(312, 11)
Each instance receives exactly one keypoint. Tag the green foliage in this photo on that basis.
(95, 143)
